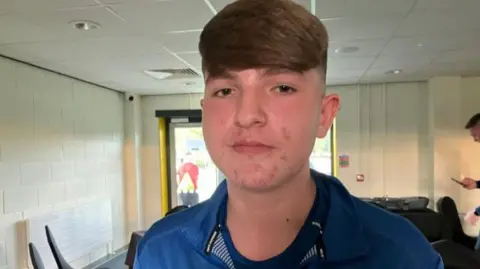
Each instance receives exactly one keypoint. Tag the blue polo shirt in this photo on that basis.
(340, 232)
(303, 248)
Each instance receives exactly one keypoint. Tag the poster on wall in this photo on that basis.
(344, 161)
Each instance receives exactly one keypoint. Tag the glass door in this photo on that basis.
(194, 177)
(321, 157)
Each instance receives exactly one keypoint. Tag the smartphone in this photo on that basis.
(457, 181)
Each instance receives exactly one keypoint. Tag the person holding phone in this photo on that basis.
(472, 217)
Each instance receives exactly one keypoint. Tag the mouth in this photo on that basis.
(251, 147)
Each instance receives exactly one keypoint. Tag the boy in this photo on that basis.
(264, 64)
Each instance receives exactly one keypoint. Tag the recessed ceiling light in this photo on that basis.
(85, 25)
(394, 71)
(350, 49)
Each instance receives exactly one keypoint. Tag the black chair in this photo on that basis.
(176, 209)
(37, 261)
(448, 208)
(456, 255)
(432, 224)
(59, 259)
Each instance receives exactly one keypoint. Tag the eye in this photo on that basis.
(285, 89)
(223, 92)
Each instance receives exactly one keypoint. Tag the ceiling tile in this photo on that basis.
(439, 22)
(41, 26)
(367, 27)
(163, 17)
(428, 44)
(350, 63)
(181, 42)
(367, 48)
(336, 82)
(193, 58)
(220, 4)
(85, 49)
(352, 8)
(345, 74)
(385, 64)
(29, 6)
(447, 4)
(121, 70)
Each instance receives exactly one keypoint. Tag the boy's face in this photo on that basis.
(260, 126)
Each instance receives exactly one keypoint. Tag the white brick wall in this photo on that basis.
(60, 143)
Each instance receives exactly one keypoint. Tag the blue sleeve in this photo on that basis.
(440, 264)
(136, 262)
(477, 211)
(478, 184)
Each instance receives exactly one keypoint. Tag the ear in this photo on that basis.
(201, 103)
(330, 105)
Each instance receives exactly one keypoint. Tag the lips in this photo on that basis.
(251, 147)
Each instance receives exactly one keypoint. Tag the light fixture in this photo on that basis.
(190, 83)
(158, 74)
(420, 45)
(85, 25)
(346, 50)
(394, 72)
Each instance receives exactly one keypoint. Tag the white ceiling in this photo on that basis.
(137, 35)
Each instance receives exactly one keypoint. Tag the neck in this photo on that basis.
(270, 219)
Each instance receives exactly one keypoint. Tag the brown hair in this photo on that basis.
(272, 34)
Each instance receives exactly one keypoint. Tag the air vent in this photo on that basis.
(172, 73)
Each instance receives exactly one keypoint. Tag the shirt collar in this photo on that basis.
(343, 234)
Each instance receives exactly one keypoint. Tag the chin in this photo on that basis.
(256, 179)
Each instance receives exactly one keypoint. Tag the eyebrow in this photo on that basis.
(267, 72)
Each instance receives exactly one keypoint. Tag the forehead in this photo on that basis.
(263, 73)
(475, 129)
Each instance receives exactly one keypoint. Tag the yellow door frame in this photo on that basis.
(162, 135)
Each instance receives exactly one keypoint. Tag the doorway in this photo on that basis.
(194, 177)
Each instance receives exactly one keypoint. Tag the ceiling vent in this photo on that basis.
(164, 74)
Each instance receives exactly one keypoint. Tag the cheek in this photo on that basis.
(214, 120)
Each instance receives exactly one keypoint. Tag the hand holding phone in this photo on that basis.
(458, 182)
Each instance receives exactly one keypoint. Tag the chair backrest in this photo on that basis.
(432, 224)
(448, 208)
(35, 257)
(59, 259)
(176, 209)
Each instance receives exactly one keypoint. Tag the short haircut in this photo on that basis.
(270, 34)
(473, 121)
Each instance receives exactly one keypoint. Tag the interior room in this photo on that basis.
(86, 143)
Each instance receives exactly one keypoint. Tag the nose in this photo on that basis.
(250, 110)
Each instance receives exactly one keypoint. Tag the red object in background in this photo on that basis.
(192, 170)
(360, 178)
(344, 161)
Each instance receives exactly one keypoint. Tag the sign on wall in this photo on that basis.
(344, 161)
